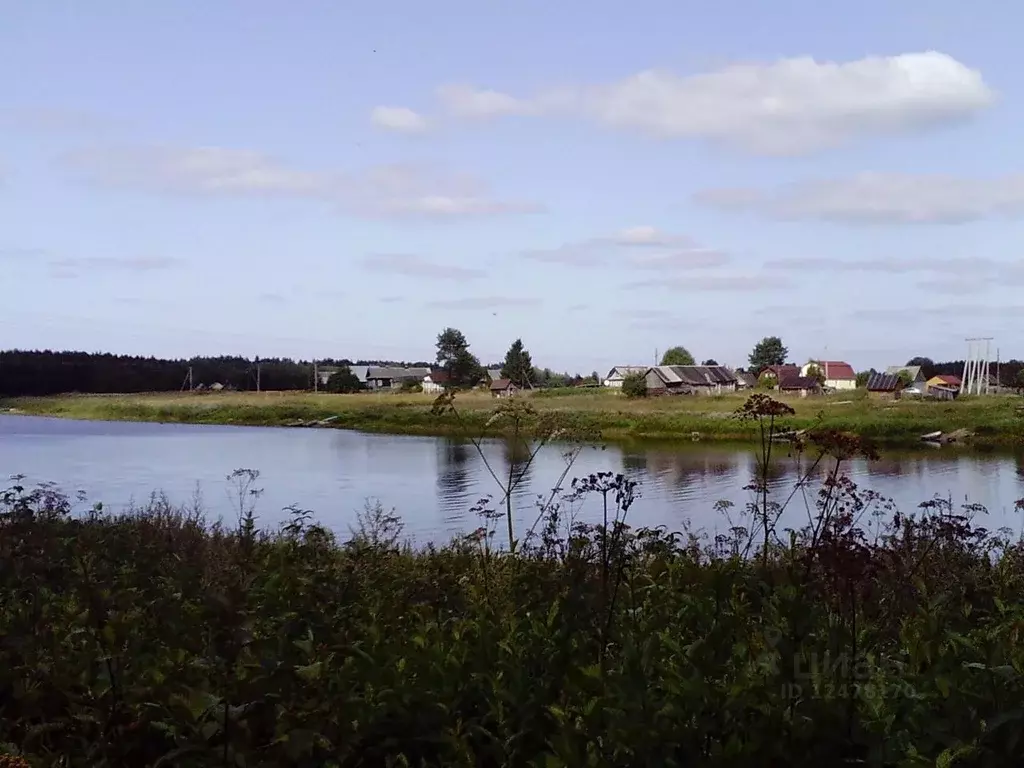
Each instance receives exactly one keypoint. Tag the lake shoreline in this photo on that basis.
(601, 417)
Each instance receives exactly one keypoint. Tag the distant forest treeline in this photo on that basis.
(50, 373)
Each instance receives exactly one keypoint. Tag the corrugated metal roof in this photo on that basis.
(798, 382)
(701, 375)
(884, 382)
(912, 370)
(381, 372)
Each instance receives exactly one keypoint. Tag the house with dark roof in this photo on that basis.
(887, 386)
(801, 386)
(503, 388)
(386, 377)
(745, 380)
(690, 379)
(779, 372)
(838, 375)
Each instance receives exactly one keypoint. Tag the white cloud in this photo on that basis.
(470, 102)
(71, 268)
(791, 106)
(131, 264)
(712, 283)
(215, 171)
(412, 265)
(483, 302)
(197, 170)
(643, 247)
(882, 198)
(956, 270)
(399, 119)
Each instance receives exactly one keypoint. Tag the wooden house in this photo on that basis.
(503, 388)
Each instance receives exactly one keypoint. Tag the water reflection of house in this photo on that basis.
(685, 466)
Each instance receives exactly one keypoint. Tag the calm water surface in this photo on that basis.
(433, 482)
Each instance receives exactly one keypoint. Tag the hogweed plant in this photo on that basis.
(530, 430)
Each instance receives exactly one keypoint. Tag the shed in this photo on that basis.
(800, 385)
(503, 388)
(884, 386)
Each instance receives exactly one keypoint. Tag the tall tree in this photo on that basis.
(677, 356)
(344, 381)
(454, 357)
(518, 365)
(768, 351)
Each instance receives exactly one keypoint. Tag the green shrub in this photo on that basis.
(634, 385)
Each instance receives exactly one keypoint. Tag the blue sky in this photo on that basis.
(603, 179)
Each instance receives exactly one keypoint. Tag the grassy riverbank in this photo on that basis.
(994, 420)
(154, 639)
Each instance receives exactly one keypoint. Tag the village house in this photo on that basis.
(618, 374)
(838, 375)
(503, 388)
(745, 380)
(944, 380)
(779, 372)
(884, 386)
(387, 377)
(690, 379)
(434, 383)
(801, 386)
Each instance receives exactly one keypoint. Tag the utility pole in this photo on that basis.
(316, 378)
(258, 366)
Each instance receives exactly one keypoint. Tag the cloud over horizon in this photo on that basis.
(790, 106)
(411, 265)
(880, 198)
(399, 120)
(644, 247)
(378, 191)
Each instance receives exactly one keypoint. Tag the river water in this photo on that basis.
(434, 482)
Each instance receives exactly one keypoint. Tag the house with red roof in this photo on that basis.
(838, 375)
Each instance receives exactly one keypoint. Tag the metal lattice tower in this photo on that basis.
(975, 380)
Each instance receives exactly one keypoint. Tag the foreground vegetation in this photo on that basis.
(869, 637)
(994, 420)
